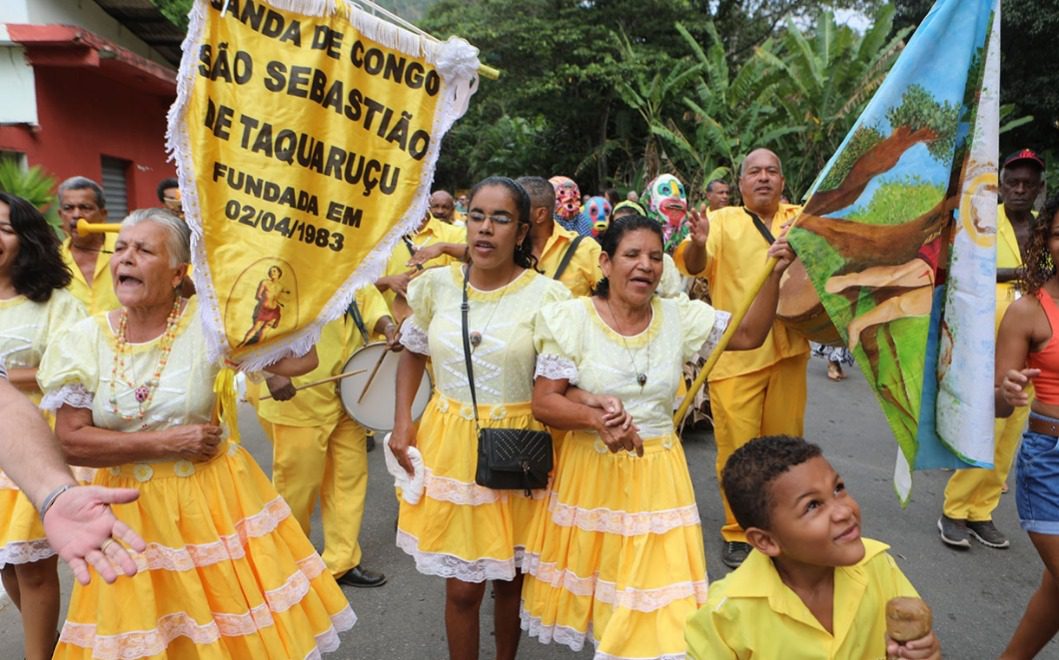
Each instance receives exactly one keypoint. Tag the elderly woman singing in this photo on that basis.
(227, 571)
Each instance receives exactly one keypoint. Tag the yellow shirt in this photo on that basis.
(753, 614)
(435, 231)
(98, 296)
(735, 254)
(339, 339)
(1008, 255)
(582, 272)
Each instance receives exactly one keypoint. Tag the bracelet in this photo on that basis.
(52, 496)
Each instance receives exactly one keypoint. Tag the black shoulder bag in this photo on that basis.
(508, 459)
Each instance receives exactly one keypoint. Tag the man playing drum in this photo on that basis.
(758, 392)
(318, 451)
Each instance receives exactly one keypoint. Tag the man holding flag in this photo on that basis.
(758, 392)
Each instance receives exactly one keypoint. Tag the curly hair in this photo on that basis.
(524, 250)
(754, 466)
(1039, 266)
(611, 239)
(38, 268)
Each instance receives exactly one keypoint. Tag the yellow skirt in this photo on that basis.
(227, 572)
(617, 555)
(22, 539)
(459, 529)
(21, 532)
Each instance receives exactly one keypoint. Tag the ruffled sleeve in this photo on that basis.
(555, 336)
(69, 371)
(421, 301)
(702, 324)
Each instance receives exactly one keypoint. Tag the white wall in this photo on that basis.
(16, 79)
(81, 13)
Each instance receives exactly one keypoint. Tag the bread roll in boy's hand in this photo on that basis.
(908, 619)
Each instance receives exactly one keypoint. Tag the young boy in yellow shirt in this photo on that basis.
(812, 587)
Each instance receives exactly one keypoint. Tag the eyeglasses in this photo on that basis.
(476, 216)
(83, 208)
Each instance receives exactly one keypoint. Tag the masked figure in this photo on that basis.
(667, 202)
(568, 206)
(598, 213)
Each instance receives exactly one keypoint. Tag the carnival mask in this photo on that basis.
(667, 203)
(567, 197)
(598, 213)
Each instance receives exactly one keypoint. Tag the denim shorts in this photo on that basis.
(1037, 481)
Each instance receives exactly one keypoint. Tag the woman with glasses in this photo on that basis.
(458, 530)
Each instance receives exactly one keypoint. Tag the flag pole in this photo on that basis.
(737, 318)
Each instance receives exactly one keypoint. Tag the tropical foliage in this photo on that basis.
(32, 184)
(613, 92)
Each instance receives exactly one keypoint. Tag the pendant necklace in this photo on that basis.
(475, 337)
(641, 376)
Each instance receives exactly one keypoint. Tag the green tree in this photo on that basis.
(830, 74)
(726, 114)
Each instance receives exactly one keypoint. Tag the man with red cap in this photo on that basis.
(972, 494)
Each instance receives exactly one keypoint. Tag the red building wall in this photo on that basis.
(83, 116)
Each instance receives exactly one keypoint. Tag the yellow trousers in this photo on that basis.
(973, 493)
(770, 401)
(328, 462)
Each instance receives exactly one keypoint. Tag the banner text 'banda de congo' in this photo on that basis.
(307, 145)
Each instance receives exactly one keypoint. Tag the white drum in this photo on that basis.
(374, 407)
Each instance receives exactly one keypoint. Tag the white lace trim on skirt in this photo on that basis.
(630, 598)
(449, 566)
(141, 643)
(622, 523)
(25, 552)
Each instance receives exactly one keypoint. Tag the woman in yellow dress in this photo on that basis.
(34, 307)
(227, 573)
(458, 530)
(617, 556)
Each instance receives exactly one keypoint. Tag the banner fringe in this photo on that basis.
(457, 87)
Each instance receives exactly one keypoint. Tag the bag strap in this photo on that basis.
(761, 228)
(567, 256)
(465, 308)
(354, 311)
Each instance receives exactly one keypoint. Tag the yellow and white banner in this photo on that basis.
(305, 133)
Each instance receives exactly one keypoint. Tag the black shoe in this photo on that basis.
(986, 533)
(954, 533)
(370, 441)
(359, 576)
(734, 553)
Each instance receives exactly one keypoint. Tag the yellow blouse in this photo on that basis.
(27, 328)
(503, 318)
(575, 344)
(81, 370)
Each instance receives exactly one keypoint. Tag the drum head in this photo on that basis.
(375, 407)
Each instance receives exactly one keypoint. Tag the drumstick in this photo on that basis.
(329, 379)
(378, 363)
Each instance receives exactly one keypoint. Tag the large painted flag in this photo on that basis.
(305, 133)
(898, 236)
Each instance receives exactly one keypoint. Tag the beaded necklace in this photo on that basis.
(144, 393)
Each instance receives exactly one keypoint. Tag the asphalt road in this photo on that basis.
(977, 596)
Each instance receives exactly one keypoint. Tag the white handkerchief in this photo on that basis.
(411, 486)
